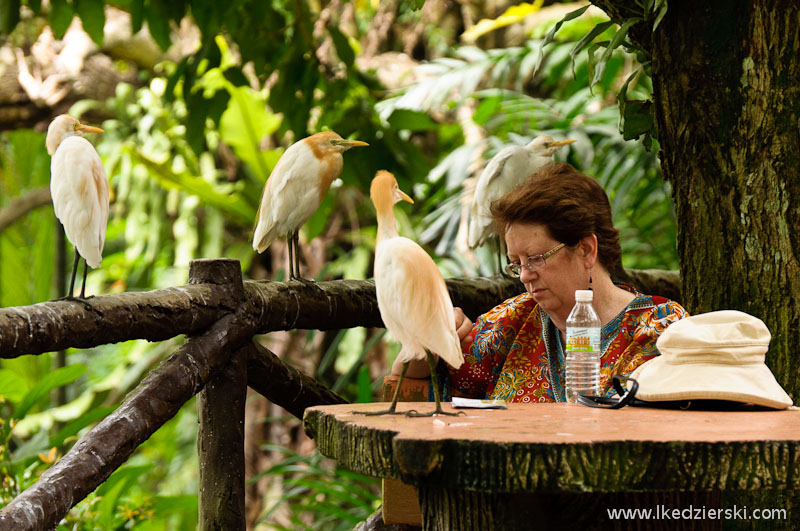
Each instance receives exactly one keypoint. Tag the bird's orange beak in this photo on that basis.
(88, 129)
(558, 143)
(347, 144)
(404, 196)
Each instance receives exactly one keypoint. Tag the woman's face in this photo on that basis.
(553, 287)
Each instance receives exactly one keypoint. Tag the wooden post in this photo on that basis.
(220, 405)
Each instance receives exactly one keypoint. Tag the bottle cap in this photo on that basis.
(584, 295)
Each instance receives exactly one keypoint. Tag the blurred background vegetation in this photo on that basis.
(198, 100)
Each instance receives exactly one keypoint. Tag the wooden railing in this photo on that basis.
(220, 314)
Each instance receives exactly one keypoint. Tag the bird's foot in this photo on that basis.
(303, 280)
(389, 411)
(82, 300)
(415, 413)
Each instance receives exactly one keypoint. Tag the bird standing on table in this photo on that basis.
(79, 187)
(508, 169)
(412, 297)
(296, 188)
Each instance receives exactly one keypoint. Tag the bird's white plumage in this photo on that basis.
(79, 187)
(292, 193)
(412, 296)
(414, 302)
(509, 168)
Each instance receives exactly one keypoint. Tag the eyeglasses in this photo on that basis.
(534, 263)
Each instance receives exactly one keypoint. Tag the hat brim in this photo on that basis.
(751, 383)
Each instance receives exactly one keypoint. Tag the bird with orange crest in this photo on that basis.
(79, 187)
(412, 297)
(295, 189)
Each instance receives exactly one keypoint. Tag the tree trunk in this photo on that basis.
(725, 78)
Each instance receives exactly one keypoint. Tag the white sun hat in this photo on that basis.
(712, 356)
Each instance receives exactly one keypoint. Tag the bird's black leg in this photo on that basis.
(74, 272)
(83, 286)
(297, 252)
(290, 272)
(296, 243)
(69, 296)
(391, 410)
(436, 395)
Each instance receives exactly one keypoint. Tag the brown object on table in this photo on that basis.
(544, 462)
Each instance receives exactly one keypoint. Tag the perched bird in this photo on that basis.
(509, 168)
(79, 187)
(295, 190)
(412, 297)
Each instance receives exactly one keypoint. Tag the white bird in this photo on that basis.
(412, 297)
(508, 169)
(295, 189)
(79, 187)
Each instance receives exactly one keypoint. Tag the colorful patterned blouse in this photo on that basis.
(517, 354)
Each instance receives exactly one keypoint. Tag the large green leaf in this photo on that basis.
(231, 203)
(137, 12)
(9, 15)
(411, 120)
(343, 48)
(60, 17)
(158, 23)
(244, 123)
(50, 381)
(12, 386)
(72, 428)
(93, 18)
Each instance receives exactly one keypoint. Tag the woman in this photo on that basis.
(560, 238)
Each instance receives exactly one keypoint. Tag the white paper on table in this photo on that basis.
(475, 403)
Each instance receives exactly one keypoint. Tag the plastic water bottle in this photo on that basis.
(583, 348)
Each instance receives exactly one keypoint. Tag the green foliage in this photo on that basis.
(635, 115)
(314, 491)
(122, 500)
(497, 80)
(92, 17)
(25, 276)
(9, 15)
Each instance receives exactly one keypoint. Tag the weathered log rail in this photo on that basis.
(220, 314)
(162, 314)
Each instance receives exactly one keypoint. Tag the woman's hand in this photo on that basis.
(463, 328)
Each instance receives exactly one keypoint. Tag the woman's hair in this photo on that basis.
(569, 204)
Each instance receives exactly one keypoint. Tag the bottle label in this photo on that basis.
(581, 339)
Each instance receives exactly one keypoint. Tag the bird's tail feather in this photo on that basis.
(87, 241)
(264, 236)
(89, 250)
(454, 357)
(479, 230)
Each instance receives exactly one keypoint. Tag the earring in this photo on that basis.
(590, 278)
